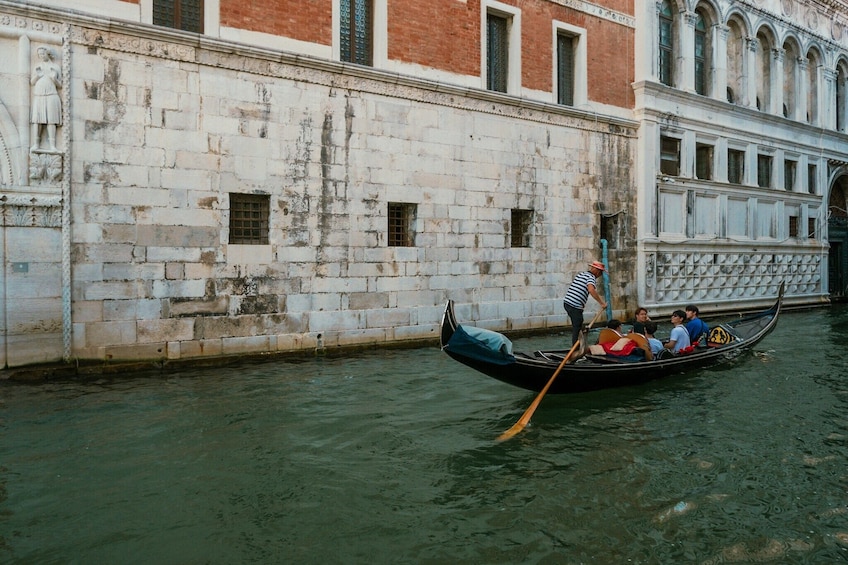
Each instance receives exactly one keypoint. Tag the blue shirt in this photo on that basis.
(696, 327)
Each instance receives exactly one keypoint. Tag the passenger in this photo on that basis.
(695, 325)
(614, 325)
(639, 320)
(655, 344)
(584, 284)
(679, 338)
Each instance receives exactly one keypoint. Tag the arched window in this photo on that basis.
(813, 87)
(840, 98)
(763, 67)
(666, 44)
(701, 66)
(790, 87)
(735, 58)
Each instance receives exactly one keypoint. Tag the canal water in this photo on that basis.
(390, 457)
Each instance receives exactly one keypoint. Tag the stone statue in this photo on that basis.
(46, 103)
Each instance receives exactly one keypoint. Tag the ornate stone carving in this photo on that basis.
(836, 30)
(788, 7)
(704, 277)
(812, 19)
(31, 211)
(46, 167)
(46, 113)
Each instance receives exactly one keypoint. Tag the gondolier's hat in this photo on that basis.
(597, 265)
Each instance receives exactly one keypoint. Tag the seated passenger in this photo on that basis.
(695, 325)
(655, 344)
(679, 337)
(641, 317)
(614, 325)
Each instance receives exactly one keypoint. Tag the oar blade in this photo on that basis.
(513, 431)
(525, 418)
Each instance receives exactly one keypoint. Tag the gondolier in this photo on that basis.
(583, 285)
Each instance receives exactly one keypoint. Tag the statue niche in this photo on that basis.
(46, 113)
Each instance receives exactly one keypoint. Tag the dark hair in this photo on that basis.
(640, 309)
(679, 314)
(650, 327)
(692, 308)
(614, 324)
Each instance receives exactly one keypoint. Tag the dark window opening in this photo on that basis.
(811, 228)
(735, 166)
(670, 156)
(565, 69)
(185, 15)
(401, 222)
(763, 171)
(521, 223)
(789, 168)
(704, 161)
(666, 40)
(497, 50)
(700, 56)
(249, 218)
(811, 179)
(356, 31)
(610, 231)
(793, 226)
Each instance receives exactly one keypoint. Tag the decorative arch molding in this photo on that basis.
(741, 18)
(836, 169)
(713, 14)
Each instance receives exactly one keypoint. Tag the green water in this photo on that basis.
(390, 457)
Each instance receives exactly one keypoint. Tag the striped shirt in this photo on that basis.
(578, 292)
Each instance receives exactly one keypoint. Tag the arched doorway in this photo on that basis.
(837, 235)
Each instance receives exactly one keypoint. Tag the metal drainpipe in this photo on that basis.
(605, 261)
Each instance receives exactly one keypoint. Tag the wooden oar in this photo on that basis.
(525, 418)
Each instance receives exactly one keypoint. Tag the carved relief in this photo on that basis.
(812, 19)
(690, 276)
(22, 211)
(46, 115)
(45, 167)
(788, 7)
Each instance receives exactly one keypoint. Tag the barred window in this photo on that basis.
(521, 224)
(357, 31)
(497, 50)
(565, 69)
(401, 224)
(249, 218)
(185, 15)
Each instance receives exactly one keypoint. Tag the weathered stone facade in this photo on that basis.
(161, 128)
(742, 140)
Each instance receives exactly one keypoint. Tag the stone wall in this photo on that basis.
(163, 129)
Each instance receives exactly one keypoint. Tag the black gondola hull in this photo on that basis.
(532, 372)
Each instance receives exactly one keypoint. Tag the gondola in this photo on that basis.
(491, 353)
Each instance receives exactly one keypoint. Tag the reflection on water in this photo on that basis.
(390, 457)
